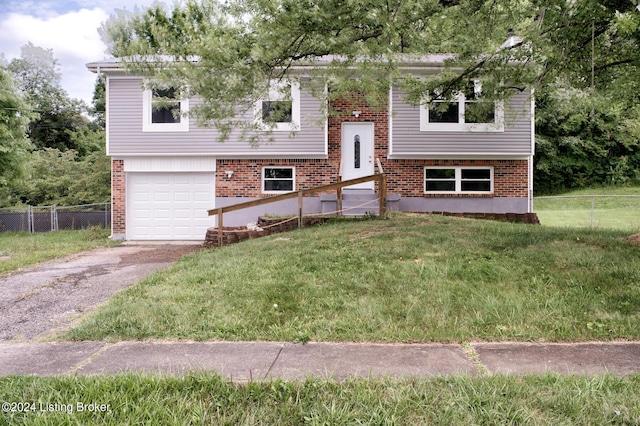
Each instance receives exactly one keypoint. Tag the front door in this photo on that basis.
(357, 153)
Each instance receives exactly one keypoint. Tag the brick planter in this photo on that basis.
(231, 235)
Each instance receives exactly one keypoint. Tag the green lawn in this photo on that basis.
(599, 208)
(407, 278)
(19, 249)
(208, 399)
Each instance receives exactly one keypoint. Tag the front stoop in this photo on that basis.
(358, 202)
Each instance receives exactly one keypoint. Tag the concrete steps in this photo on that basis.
(358, 202)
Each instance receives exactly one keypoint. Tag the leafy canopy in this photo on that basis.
(229, 50)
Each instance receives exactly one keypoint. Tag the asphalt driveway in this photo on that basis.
(39, 301)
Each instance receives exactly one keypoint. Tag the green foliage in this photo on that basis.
(584, 139)
(68, 165)
(581, 57)
(61, 177)
(228, 50)
(99, 108)
(14, 116)
(57, 114)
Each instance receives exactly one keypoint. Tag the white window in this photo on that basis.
(466, 111)
(164, 111)
(278, 179)
(279, 110)
(458, 180)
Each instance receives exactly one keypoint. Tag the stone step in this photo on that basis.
(358, 202)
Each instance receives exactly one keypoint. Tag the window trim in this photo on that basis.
(147, 114)
(275, 94)
(458, 179)
(263, 179)
(494, 127)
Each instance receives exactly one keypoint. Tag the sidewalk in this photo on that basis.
(247, 361)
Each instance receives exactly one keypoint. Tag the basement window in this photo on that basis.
(458, 180)
(278, 179)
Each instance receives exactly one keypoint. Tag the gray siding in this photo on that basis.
(125, 135)
(407, 141)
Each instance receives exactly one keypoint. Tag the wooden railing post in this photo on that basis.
(382, 183)
(300, 194)
(300, 198)
(220, 230)
(339, 199)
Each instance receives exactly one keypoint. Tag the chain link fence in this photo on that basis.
(53, 218)
(620, 212)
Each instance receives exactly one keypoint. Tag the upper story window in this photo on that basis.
(458, 180)
(466, 111)
(164, 111)
(279, 110)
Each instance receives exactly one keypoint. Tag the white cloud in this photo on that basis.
(68, 27)
(73, 37)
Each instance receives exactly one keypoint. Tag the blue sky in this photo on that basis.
(69, 28)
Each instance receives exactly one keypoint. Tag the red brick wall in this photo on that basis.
(404, 177)
(118, 197)
(247, 176)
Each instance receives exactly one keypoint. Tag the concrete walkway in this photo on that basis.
(247, 361)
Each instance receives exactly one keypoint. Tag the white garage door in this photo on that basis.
(169, 206)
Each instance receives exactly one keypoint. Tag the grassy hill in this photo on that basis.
(407, 278)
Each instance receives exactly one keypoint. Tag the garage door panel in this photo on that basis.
(183, 214)
(169, 206)
(162, 214)
(182, 196)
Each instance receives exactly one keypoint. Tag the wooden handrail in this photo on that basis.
(379, 177)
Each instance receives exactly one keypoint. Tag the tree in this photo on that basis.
(61, 177)
(39, 80)
(99, 108)
(585, 140)
(14, 117)
(226, 52)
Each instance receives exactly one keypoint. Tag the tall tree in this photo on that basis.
(227, 50)
(99, 107)
(37, 72)
(14, 117)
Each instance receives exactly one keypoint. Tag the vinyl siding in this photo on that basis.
(407, 141)
(126, 138)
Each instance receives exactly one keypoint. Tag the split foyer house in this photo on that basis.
(167, 171)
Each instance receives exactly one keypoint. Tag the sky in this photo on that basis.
(68, 27)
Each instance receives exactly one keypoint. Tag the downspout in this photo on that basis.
(533, 149)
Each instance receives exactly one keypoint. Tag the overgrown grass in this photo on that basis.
(19, 249)
(583, 208)
(408, 278)
(208, 399)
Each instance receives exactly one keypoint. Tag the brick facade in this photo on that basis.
(404, 177)
(118, 198)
